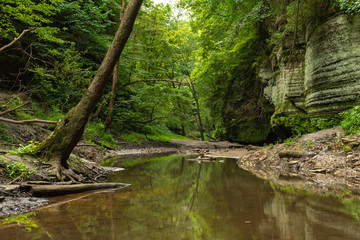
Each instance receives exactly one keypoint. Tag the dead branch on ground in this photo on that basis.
(7, 120)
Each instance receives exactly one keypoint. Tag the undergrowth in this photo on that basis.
(17, 170)
(95, 132)
(5, 134)
(154, 132)
(27, 149)
(302, 124)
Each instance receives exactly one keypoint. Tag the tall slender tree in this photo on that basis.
(115, 77)
(57, 147)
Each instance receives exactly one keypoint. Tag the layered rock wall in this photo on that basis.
(332, 66)
(327, 80)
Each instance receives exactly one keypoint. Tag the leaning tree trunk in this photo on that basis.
(115, 78)
(58, 146)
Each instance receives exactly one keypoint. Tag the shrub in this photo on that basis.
(18, 170)
(351, 121)
(302, 124)
(95, 132)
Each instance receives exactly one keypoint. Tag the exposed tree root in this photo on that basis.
(78, 170)
(63, 174)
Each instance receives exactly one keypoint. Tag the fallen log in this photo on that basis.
(295, 154)
(57, 190)
(212, 138)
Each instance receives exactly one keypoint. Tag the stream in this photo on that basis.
(175, 198)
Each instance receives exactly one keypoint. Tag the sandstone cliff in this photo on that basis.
(324, 78)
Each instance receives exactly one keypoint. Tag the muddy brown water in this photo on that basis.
(173, 198)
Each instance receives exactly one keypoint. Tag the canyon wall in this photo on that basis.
(323, 76)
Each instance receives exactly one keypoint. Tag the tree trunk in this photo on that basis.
(112, 97)
(192, 88)
(115, 77)
(98, 110)
(57, 147)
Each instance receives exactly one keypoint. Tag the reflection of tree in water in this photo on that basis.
(195, 193)
(228, 198)
(160, 208)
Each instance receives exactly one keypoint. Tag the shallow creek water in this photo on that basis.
(173, 198)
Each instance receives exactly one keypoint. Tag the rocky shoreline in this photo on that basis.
(324, 162)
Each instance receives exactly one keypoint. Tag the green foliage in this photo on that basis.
(351, 121)
(95, 132)
(152, 104)
(17, 170)
(301, 123)
(23, 219)
(5, 134)
(88, 23)
(155, 132)
(29, 13)
(230, 51)
(134, 137)
(52, 113)
(61, 71)
(349, 6)
(28, 149)
(63, 85)
(163, 50)
(291, 140)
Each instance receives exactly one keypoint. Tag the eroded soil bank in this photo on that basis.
(322, 162)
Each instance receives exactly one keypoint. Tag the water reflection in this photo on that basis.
(172, 198)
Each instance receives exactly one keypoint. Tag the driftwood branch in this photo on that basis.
(212, 138)
(7, 120)
(14, 109)
(17, 38)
